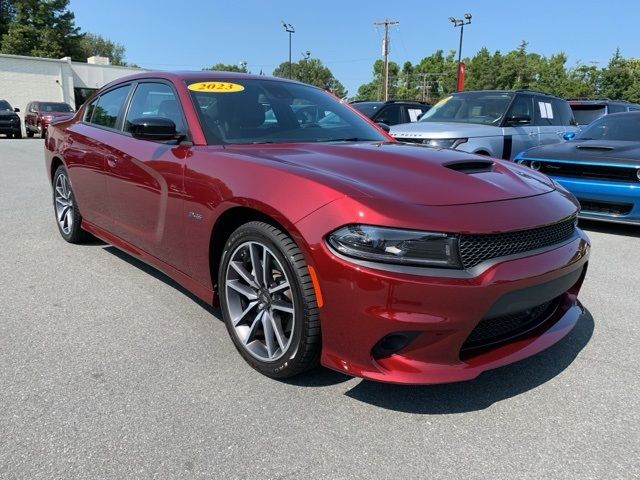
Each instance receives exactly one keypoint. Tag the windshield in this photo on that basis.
(55, 107)
(485, 108)
(4, 105)
(623, 127)
(245, 111)
(367, 108)
(585, 114)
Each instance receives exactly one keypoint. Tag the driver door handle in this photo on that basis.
(112, 161)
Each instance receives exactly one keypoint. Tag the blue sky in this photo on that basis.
(170, 35)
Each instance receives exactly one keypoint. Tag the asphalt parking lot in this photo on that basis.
(109, 370)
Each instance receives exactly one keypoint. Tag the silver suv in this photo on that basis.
(498, 123)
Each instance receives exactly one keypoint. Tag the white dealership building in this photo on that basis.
(25, 79)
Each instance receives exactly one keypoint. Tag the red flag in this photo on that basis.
(461, 71)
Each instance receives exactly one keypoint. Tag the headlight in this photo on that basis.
(48, 117)
(445, 142)
(392, 245)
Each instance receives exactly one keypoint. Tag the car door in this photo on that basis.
(520, 131)
(548, 120)
(86, 147)
(145, 178)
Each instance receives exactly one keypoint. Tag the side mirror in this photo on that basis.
(16, 110)
(569, 136)
(154, 128)
(519, 120)
(384, 126)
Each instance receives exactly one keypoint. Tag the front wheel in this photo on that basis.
(268, 301)
(66, 211)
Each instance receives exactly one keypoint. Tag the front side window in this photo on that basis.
(485, 108)
(521, 111)
(155, 100)
(246, 111)
(391, 115)
(624, 128)
(109, 106)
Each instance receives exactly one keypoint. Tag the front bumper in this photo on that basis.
(363, 305)
(602, 192)
(10, 128)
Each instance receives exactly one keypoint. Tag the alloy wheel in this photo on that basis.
(64, 204)
(260, 301)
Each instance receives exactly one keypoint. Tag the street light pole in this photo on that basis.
(458, 22)
(290, 30)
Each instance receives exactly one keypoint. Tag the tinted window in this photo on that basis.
(522, 107)
(89, 110)
(155, 100)
(565, 114)
(587, 113)
(4, 105)
(414, 113)
(391, 115)
(617, 127)
(545, 112)
(614, 108)
(487, 108)
(55, 107)
(109, 106)
(268, 111)
(367, 108)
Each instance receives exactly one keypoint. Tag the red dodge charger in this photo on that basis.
(321, 238)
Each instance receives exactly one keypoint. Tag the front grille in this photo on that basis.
(594, 172)
(499, 329)
(475, 249)
(608, 208)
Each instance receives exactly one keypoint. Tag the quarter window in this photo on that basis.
(109, 106)
(155, 100)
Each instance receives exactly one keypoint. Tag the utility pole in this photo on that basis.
(385, 52)
(289, 29)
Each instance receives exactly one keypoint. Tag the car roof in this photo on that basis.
(597, 101)
(530, 92)
(195, 76)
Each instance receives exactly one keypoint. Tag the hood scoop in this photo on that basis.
(470, 167)
(595, 147)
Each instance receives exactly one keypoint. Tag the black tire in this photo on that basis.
(17, 135)
(29, 133)
(75, 233)
(303, 352)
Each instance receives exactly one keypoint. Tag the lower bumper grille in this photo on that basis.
(609, 208)
(499, 329)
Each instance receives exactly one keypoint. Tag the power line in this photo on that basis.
(385, 52)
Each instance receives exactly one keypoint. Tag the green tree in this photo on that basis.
(616, 77)
(374, 90)
(223, 67)
(313, 72)
(92, 44)
(42, 28)
(7, 14)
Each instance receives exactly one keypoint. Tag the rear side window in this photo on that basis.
(613, 108)
(155, 100)
(546, 112)
(565, 114)
(109, 106)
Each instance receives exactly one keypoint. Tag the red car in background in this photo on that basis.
(321, 238)
(40, 114)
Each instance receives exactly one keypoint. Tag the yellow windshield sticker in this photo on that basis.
(443, 101)
(216, 87)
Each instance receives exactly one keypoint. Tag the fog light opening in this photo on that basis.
(534, 165)
(392, 343)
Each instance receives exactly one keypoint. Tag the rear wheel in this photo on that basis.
(268, 301)
(66, 211)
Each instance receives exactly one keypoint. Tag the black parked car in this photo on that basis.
(586, 110)
(392, 112)
(9, 120)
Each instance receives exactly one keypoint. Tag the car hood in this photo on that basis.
(401, 172)
(443, 130)
(8, 114)
(590, 151)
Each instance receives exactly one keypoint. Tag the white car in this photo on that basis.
(497, 123)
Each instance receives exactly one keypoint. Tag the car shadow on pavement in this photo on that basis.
(162, 277)
(490, 387)
(610, 228)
